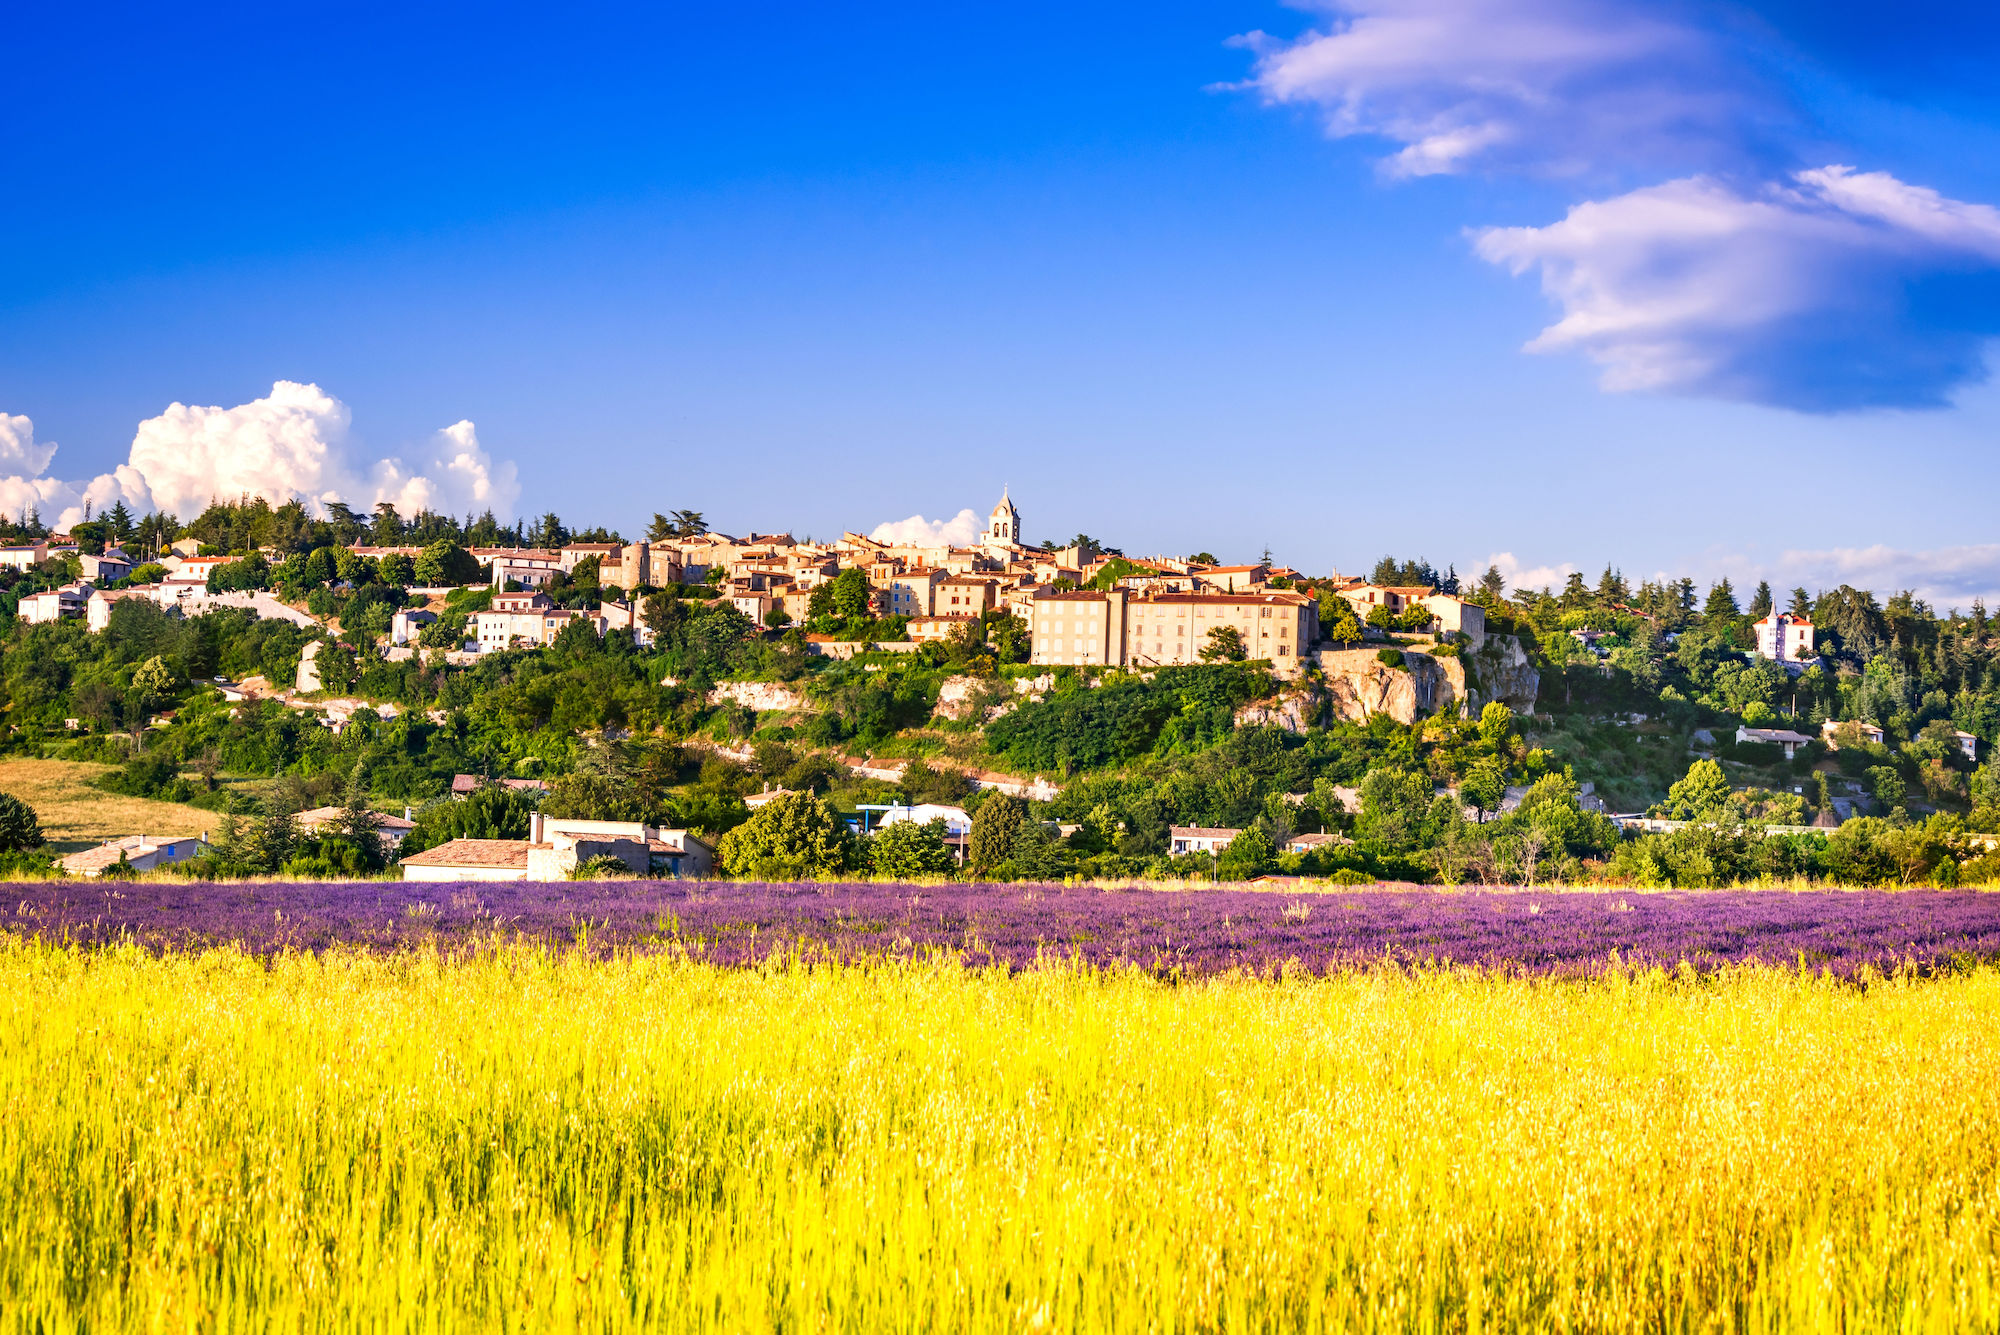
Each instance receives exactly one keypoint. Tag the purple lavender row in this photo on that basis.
(1197, 932)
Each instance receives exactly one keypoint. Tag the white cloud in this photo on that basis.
(293, 442)
(1798, 294)
(1946, 577)
(1553, 86)
(18, 451)
(461, 477)
(290, 443)
(1522, 579)
(962, 530)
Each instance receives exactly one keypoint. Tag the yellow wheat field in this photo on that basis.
(523, 1141)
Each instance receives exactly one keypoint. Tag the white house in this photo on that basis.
(923, 813)
(1784, 638)
(112, 564)
(1784, 737)
(23, 558)
(525, 619)
(64, 604)
(408, 623)
(1198, 839)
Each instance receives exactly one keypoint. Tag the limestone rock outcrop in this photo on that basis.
(762, 696)
(1357, 683)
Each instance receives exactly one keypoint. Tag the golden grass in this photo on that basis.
(521, 1140)
(74, 815)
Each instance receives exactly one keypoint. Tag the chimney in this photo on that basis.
(535, 828)
(406, 812)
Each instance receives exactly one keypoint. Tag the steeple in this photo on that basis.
(1004, 528)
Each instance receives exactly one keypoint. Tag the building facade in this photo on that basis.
(1087, 628)
(1785, 638)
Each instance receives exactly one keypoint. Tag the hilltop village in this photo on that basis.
(354, 694)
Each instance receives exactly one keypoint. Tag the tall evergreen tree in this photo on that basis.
(1721, 603)
(1760, 602)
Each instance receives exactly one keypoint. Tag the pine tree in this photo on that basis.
(1760, 603)
(1801, 605)
(1721, 604)
(994, 826)
(358, 821)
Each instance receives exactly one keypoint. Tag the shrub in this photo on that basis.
(793, 837)
(603, 867)
(1392, 658)
(20, 828)
(909, 849)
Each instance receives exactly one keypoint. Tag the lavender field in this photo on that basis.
(1193, 932)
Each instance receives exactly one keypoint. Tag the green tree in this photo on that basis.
(489, 811)
(1036, 854)
(1496, 724)
(1760, 602)
(1721, 603)
(907, 848)
(1393, 808)
(359, 822)
(594, 797)
(1249, 854)
(1336, 618)
(849, 594)
(1701, 794)
(994, 826)
(1225, 645)
(1484, 787)
(387, 530)
(1887, 785)
(794, 837)
(396, 570)
(445, 562)
(153, 678)
(277, 837)
(19, 826)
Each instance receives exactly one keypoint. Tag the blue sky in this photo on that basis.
(1217, 276)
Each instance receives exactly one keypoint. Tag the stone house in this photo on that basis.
(1184, 839)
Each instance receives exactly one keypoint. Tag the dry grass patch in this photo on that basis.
(75, 815)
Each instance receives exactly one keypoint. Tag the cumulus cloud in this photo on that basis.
(1809, 294)
(962, 530)
(1523, 579)
(291, 443)
(1550, 86)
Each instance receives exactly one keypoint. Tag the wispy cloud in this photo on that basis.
(1748, 275)
(1548, 86)
(1794, 294)
(1946, 577)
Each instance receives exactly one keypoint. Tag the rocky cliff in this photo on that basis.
(1355, 683)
